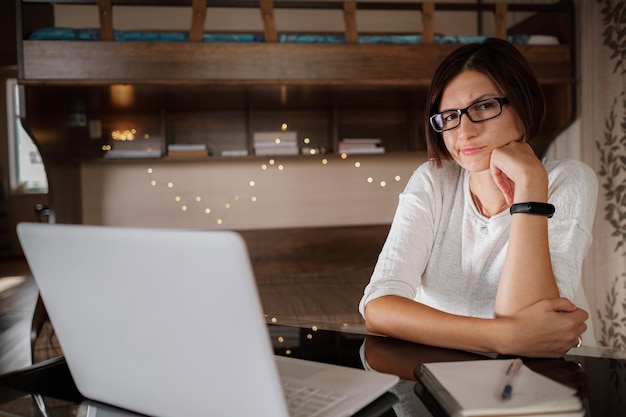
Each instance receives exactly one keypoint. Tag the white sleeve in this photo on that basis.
(573, 191)
(406, 251)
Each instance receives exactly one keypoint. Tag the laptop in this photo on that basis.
(168, 322)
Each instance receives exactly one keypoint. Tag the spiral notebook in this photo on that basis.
(474, 389)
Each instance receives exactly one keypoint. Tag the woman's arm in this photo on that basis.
(527, 274)
(548, 328)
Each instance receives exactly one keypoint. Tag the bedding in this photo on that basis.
(93, 34)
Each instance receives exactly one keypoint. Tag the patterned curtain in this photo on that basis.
(602, 116)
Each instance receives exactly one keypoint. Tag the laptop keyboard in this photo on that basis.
(304, 401)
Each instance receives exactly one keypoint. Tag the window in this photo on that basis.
(27, 172)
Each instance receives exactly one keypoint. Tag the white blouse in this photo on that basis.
(442, 252)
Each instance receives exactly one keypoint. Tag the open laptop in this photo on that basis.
(168, 322)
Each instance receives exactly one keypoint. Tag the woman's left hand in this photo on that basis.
(516, 169)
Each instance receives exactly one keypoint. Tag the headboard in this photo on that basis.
(176, 71)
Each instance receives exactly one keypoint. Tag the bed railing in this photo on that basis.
(350, 9)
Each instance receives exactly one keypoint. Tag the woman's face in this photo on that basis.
(471, 143)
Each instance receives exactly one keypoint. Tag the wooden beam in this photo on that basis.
(349, 18)
(269, 23)
(500, 20)
(428, 22)
(198, 17)
(105, 12)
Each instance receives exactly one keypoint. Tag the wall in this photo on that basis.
(249, 19)
(242, 194)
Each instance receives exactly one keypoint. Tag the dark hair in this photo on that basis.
(507, 67)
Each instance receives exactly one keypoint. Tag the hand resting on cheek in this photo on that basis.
(515, 164)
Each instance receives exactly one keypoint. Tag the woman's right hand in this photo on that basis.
(547, 328)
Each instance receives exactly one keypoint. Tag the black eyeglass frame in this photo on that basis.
(501, 101)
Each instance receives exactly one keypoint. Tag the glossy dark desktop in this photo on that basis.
(598, 376)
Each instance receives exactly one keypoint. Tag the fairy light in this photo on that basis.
(382, 182)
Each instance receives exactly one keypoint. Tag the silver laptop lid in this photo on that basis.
(161, 322)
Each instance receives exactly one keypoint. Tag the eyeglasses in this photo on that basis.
(477, 112)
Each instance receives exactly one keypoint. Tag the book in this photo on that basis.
(133, 153)
(234, 152)
(186, 150)
(188, 154)
(364, 150)
(370, 141)
(276, 143)
(271, 137)
(277, 150)
(360, 146)
(186, 147)
(474, 389)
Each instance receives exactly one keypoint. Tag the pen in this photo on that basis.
(511, 374)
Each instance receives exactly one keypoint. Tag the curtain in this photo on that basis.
(602, 118)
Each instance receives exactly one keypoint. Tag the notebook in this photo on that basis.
(474, 388)
(168, 322)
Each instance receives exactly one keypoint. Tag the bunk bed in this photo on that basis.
(57, 65)
(348, 58)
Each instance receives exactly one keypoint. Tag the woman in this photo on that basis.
(469, 263)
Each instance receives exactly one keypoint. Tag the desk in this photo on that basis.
(599, 379)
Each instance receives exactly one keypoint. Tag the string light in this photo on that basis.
(252, 183)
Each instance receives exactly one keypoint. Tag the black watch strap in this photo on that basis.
(542, 209)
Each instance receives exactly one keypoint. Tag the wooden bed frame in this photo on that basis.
(47, 70)
(350, 63)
